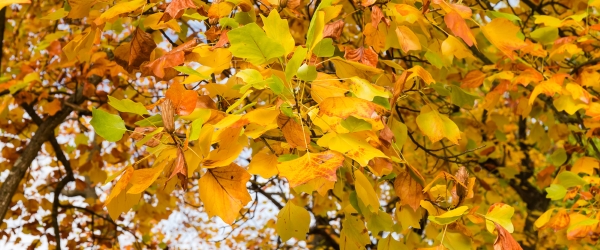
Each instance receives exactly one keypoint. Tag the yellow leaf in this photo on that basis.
(365, 90)
(437, 126)
(543, 219)
(549, 87)
(118, 9)
(500, 213)
(5, 3)
(502, 33)
(218, 59)
(585, 165)
(292, 221)
(80, 8)
(311, 166)
(365, 191)
(120, 185)
(408, 40)
(452, 47)
(354, 234)
(122, 203)
(548, 21)
(231, 145)
(319, 184)
(153, 21)
(327, 86)
(567, 104)
(223, 191)
(80, 47)
(353, 147)
(143, 178)
(221, 9)
(263, 163)
(422, 73)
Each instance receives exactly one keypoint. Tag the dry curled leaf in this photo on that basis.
(366, 56)
(334, 29)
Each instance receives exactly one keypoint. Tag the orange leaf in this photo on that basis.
(459, 27)
(473, 79)
(293, 132)
(559, 221)
(362, 55)
(409, 190)
(377, 15)
(176, 8)
(183, 100)
(346, 106)
(311, 166)
(169, 60)
(505, 241)
(52, 107)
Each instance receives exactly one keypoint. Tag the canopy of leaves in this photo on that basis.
(352, 124)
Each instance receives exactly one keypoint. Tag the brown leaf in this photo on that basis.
(293, 132)
(180, 169)
(463, 177)
(409, 190)
(386, 135)
(169, 60)
(168, 114)
(139, 132)
(505, 241)
(334, 30)
(377, 15)
(223, 39)
(132, 55)
(365, 56)
(176, 8)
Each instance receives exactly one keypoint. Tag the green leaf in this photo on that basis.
(461, 98)
(278, 30)
(292, 221)
(307, 72)
(558, 157)
(189, 71)
(315, 30)
(286, 109)
(569, 179)
(287, 157)
(294, 64)
(324, 48)
(276, 85)
(434, 59)
(126, 105)
(385, 102)
(195, 16)
(556, 192)
(354, 201)
(496, 14)
(450, 216)
(440, 89)
(228, 22)
(108, 126)
(380, 222)
(251, 43)
(196, 128)
(152, 121)
(545, 35)
(387, 177)
(354, 124)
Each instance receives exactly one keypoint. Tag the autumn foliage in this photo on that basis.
(327, 124)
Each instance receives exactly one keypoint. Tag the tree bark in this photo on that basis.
(44, 132)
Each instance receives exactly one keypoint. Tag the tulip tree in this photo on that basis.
(331, 124)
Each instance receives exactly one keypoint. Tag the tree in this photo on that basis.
(322, 124)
